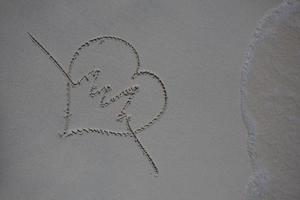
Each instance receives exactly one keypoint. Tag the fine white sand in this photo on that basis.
(199, 145)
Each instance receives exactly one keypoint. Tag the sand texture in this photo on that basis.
(124, 99)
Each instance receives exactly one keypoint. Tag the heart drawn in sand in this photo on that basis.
(113, 83)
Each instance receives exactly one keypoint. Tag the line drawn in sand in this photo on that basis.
(94, 91)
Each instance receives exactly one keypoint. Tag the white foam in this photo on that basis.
(257, 182)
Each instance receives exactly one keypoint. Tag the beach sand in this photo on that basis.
(199, 144)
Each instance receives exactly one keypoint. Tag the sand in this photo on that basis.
(198, 144)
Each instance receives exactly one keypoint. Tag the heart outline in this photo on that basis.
(138, 72)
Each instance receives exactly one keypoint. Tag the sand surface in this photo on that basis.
(198, 144)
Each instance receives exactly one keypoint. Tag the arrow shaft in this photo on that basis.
(56, 63)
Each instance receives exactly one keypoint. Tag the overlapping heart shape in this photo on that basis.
(84, 79)
(92, 46)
